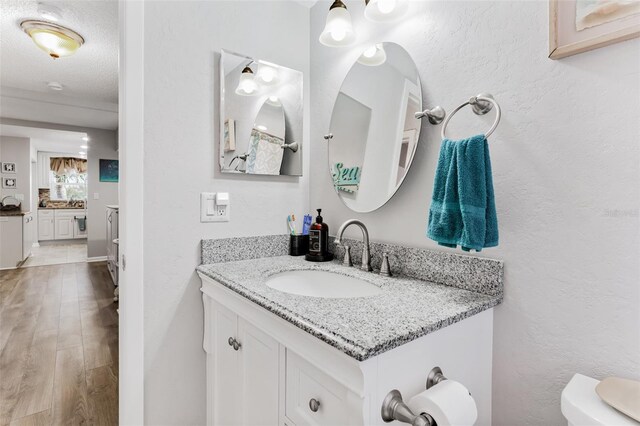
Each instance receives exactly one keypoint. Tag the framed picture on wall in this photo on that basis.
(9, 183)
(108, 170)
(8, 167)
(577, 26)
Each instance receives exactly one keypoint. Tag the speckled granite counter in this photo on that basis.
(407, 309)
(13, 213)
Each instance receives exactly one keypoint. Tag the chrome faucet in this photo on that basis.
(366, 256)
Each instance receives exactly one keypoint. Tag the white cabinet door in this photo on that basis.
(259, 363)
(45, 228)
(64, 228)
(226, 386)
(43, 169)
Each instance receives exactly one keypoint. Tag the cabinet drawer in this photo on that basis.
(305, 382)
(45, 213)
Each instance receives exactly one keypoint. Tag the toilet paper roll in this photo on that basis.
(448, 402)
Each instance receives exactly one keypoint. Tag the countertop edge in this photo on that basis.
(341, 344)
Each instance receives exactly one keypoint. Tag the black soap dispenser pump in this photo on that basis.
(319, 241)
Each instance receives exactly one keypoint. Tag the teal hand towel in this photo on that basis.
(463, 210)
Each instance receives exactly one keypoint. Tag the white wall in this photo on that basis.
(181, 136)
(566, 165)
(17, 150)
(102, 144)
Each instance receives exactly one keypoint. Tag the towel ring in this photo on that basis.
(481, 104)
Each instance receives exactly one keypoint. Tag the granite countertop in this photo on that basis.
(13, 213)
(61, 208)
(362, 327)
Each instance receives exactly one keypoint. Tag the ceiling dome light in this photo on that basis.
(247, 85)
(49, 12)
(267, 74)
(385, 10)
(373, 56)
(54, 39)
(338, 31)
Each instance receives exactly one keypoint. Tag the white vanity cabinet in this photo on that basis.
(279, 374)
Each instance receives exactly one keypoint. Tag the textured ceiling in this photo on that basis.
(91, 73)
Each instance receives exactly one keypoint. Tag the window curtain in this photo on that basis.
(63, 165)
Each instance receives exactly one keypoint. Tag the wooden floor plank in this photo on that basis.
(102, 390)
(70, 388)
(36, 388)
(58, 346)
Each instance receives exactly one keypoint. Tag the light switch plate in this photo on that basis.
(96, 196)
(210, 211)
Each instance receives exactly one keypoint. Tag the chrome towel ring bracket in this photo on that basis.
(481, 104)
(435, 114)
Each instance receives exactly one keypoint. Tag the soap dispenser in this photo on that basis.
(319, 241)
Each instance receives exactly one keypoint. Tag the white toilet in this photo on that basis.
(582, 406)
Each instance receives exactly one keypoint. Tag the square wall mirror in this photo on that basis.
(261, 114)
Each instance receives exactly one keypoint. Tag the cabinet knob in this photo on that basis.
(314, 405)
(231, 341)
(236, 345)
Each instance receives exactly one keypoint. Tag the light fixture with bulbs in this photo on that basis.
(56, 40)
(373, 56)
(338, 30)
(385, 10)
(247, 86)
(267, 74)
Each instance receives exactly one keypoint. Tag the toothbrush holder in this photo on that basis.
(298, 245)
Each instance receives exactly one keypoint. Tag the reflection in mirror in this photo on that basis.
(373, 127)
(261, 117)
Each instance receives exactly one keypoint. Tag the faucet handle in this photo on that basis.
(347, 256)
(385, 268)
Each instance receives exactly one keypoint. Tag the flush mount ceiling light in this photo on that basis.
(338, 31)
(54, 39)
(385, 10)
(373, 56)
(247, 85)
(267, 74)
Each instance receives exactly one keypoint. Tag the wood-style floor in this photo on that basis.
(58, 346)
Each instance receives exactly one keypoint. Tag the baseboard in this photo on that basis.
(97, 259)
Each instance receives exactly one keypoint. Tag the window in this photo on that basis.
(71, 185)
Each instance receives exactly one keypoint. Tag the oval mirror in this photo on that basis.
(266, 143)
(373, 127)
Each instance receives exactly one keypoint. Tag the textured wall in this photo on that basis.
(182, 45)
(566, 167)
(17, 150)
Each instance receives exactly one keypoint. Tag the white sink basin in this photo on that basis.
(322, 284)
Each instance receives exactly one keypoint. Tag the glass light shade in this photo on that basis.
(57, 41)
(247, 85)
(267, 74)
(386, 10)
(338, 30)
(373, 56)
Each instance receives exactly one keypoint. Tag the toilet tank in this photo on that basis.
(582, 406)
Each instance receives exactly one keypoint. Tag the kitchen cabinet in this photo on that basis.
(45, 225)
(61, 224)
(63, 228)
(16, 239)
(44, 168)
(278, 374)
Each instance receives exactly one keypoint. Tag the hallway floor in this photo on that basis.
(55, 253)
(58, 346)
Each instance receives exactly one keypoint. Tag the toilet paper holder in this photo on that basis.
(394, 408)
